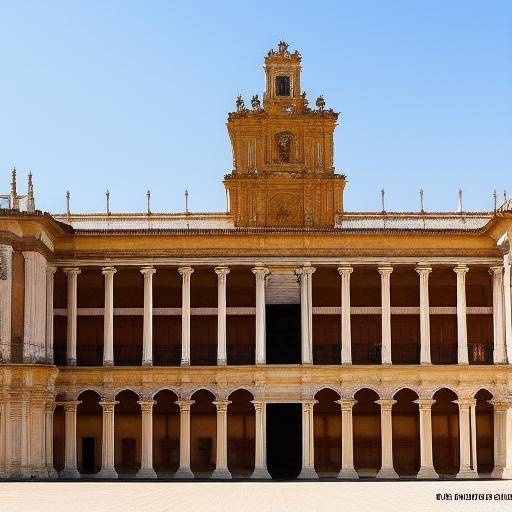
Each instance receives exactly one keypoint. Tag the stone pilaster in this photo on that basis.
(50, 272)
(467, 470)
(221, 466)
(500, 442)
(427, 462)
(260, 441)
(5, 302)
(70, 465)
(146, 467)
(347, 470)
(147, 338)
(260, 273)
(222, 274)
(184, 470)
(107, 441)
(424, 273)
(72, 274)
(308, 442)
(48, 437)
(108, 317)
(305, 274)
(462, 327)
(346, 335)
(186, 273)
(385, 286)
(507, 300)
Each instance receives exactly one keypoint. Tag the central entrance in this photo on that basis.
(283, 334)
(284, 440)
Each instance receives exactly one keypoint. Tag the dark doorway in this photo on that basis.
(283, 334)
(284, 440)
(128, 452)
(88, 455)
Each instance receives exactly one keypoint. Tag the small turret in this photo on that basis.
(31, 205)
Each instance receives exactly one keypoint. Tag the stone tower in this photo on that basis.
(283, 173)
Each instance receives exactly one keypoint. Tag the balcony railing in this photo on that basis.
(327, 354)
(405, 353)
(167, 355)
(480, 353)
(443, 353)
(203, 355)
(366, 353)
(241, 354)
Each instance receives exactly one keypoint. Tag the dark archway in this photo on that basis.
(89, 424)
(166, 433)
(203, 433)
(127, 433)
(484, 432)
(59, 438)
(406, 433)
(445, 433)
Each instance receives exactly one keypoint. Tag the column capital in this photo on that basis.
(222, 405)
(385, 270)
(496, 270)
(345, 270)
(258, 404)
(425, 404)
(386, 404)
(222, 271)
(51, 269)
(72, 271)
(184, 405)
(461, 269)
(346, 404)
(70, 406)
(305, 269)
(146, 405)
(465, 402)
(50, 407)
(423, 269)
(108, 405)
(185, 271)
(147, 271)
(309, 404)
(501, 404)
(260, 271)
(108, 270)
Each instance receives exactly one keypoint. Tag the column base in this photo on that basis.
(70, 362)
(426, 363)
(261, 473)
(52, 473)
(497, 472)
(308, 473)
(108, 363)
(69, 473)
(149, 362)
(222, 362)
(428, 473)
(506, 474)
(184, 472)
(222, 474)
(185, 362)
(388, 473)
(348, 474)
(107, 474)
(467, 473)
(146, 473)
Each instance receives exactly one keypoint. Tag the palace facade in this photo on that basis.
(283, 338)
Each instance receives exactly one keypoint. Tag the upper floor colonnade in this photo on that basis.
(316, 308)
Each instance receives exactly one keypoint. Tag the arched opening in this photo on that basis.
(89, 432)
(127, 433)
(166, 433)
(406, 433)
(241, 433)
(367, 436)
(327, 433)
(203, 433)
(445, 433)
(59, 438)
(484, 413)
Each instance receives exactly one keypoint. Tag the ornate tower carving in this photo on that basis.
(283, 173)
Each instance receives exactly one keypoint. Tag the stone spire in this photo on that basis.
(14, 195)
(31, 205)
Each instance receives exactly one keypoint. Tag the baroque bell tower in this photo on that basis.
(283, 173)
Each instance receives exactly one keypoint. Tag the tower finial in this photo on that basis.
(382, 196)
(14, 194)
(186, 202)
(460, 201)
(68, 209)
(107, 194)
(148, 196)
(495, 200)
(31, 206)
(422, 209)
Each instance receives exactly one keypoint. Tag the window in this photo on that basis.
(282, 85)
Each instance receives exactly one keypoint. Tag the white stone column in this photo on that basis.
(146, 467)
(507, 301)
(424, 273)
(308, 441)
(507, 470)
(70, 467)
(472, 418)
(184, 470)
(465, 439)
(385, 286)
(305, 274)
(221, 467)
(346, 335)
(147, 338)
(427, 462)
(5, 302)
(500, 349)
(347, 470)
(260, 273)
(107, 441)
(386, 431)
(48, 439)
(500, 407)
(108, 317)
(260, 440)
(186, 273)
(50, 272)
(72, 274)
(462, 328)
(222, 273)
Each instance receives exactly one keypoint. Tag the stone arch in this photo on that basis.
(435, 390)
(89, 423)
(249, 389)
(166, 431)
(445, 431)
(155, 391)
(405, 386)
(356, 390)
(210, 389)
(80, 391)
(127, 432)
(203, 432)
(321, 387)
(118, 391)
(484, 416)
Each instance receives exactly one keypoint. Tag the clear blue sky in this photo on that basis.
(131, 95)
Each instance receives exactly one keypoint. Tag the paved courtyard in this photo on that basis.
(249, 496)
